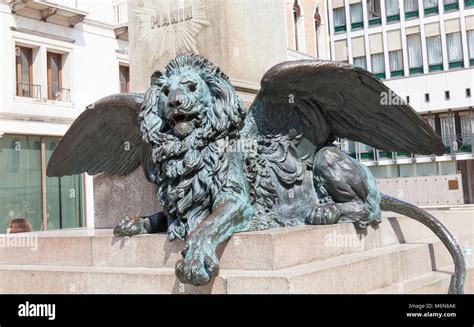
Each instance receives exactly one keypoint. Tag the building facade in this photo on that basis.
(56, 59)
(424, 51)
(307, 29)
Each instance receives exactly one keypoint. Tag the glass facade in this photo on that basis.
(22, 193)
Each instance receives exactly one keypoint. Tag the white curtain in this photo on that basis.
(470, 43)
(435, 53)
(415, 58)
(378, 64)
(360, 62)
(396, 60)
(430, 3)
(339, 17)
(356, 13)
(411, 5)
(454, 44)
(450, 1)
(392, 7)
(447, 130)
(466, 129)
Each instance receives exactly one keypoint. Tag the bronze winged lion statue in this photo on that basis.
(221, 169)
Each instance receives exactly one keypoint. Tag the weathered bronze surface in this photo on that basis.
(222, 169)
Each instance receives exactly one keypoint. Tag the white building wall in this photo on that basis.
(90, 71)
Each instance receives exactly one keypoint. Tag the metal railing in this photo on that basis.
(59, 94)
(454, 145)
(28, 90)
(459, 143)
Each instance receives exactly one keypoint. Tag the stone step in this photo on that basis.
(435, 282)
(354, 273)
(265, 250)
(359, 272)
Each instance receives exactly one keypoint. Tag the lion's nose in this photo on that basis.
(175, 98)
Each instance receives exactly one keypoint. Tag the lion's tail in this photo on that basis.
(457, 281)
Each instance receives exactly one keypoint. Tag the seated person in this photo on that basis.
(19, 225)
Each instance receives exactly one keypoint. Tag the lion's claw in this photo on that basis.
(197, 269)
(132, 226)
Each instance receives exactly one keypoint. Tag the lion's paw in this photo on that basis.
(197, 267)
(324, 214)
(130, 226)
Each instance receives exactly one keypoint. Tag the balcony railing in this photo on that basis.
(120, 13)
(59, 94)
(453, 145)
(28, 90)
(460, 143)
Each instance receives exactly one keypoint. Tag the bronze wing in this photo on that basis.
(104, 138)
(323, 99)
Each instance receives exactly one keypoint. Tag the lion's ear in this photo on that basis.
(154, 77)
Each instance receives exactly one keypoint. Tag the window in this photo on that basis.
(470, 45)
(468, 93)
(378, 63)
(415, 59)
(317, 24)
(299, 28)
(124, 79)
(435, 53)
(411, 8)
(357, 21)
(24, 73)
(373, 7)
(360, 62)
(427, 97)
(392, 10)
(447, 130)
(466, 129)
(396, 62)
(454, 45)
(22, 193)
(374, 12)
(296, 17)
(431, 6)
(408, 99)
(430, 119)
(446, 95)
(451, 5)
(55, 77)
(339, 20)
(430, 3)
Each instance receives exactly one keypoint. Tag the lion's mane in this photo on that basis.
(191, 172)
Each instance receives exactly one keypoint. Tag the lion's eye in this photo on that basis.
(192, 87)
(166, 91)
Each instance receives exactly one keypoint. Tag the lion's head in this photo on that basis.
(187, 114)
(193, 97)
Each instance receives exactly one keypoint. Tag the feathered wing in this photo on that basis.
(324, 99)
(104, 138)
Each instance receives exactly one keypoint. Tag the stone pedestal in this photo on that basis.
(243, 37)
(117, 197)
(401, 256)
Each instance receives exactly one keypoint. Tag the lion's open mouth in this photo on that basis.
(180, 118)
(183, 124)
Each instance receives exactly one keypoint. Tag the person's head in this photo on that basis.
(19, 225)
